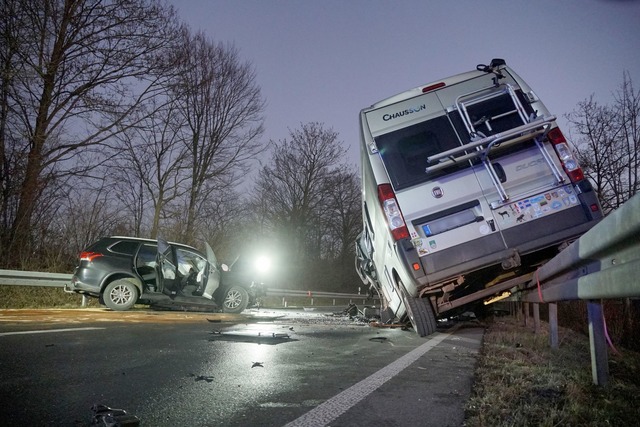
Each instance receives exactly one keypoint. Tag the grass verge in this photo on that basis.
(40, 297)
(43, 297)
(521, 381)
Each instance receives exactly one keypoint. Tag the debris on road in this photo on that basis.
(250, 335)
(377, 324)
(207, 378)
(111, 417)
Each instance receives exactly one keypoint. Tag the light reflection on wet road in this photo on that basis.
(207, 373)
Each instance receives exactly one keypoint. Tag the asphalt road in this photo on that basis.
(271, 368)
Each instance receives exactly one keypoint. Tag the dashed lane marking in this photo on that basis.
(46, 331)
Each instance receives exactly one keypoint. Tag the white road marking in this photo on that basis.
(46, 331)
(332, 408)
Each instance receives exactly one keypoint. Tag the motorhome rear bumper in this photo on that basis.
(497, 248)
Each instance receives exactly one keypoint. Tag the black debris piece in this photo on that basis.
(352, 310)
(206, 378)
(257, 365)
(111, 417)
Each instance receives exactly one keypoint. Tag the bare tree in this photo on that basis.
(150, 169)
(343, 214)
(627, 102)
(73, 72)
(292, 192)
(222, 107)
(607, 143)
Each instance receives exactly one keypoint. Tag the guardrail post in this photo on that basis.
(536, 318)
(525, 311)
(85, 300)
(597, 343)
(553, 325)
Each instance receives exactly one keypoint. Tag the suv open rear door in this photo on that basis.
(213, 276)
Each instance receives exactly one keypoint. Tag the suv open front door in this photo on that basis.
(167, 270)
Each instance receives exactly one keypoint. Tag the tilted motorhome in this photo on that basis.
(468, 185)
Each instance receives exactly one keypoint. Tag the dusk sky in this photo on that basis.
(326, 60)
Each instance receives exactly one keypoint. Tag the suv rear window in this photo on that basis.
(405, 151)
(125, 247)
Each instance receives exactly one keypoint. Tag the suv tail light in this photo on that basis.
(89, 256)
(570, 164)
(395, 220)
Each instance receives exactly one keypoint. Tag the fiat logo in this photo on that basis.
(437, 192)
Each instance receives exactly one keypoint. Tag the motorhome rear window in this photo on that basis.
(497, 113)
(405, 151)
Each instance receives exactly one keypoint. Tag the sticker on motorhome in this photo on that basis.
(418, 244)
(535, 207)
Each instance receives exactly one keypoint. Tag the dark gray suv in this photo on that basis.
(123, 271)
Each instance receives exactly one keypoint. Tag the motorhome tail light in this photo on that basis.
(565, 154)
(89, 256)
(392, 211)
(432, 87)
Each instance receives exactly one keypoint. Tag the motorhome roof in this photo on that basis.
(421, 89)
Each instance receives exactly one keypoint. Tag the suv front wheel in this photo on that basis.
(235, 300)
(120, 295)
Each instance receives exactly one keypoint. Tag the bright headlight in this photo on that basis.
(263, 264)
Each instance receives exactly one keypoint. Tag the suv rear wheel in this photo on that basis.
(120, 295)
(235, 300)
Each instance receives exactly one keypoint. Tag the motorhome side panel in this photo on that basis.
(376, 233)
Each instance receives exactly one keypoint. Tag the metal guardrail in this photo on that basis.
(33, 278)
(58, 280)
(604, 263)
(315, 294)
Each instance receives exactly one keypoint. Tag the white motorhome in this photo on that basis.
(468, 185)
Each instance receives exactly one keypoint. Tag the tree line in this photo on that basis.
(116, 118)
(606, 140)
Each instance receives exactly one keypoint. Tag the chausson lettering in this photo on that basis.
(402, 113)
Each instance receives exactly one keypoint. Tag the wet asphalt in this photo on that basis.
(273, 368)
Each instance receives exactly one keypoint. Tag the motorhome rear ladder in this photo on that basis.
(485, 95)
